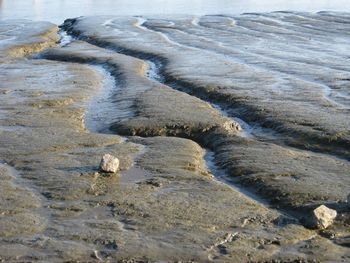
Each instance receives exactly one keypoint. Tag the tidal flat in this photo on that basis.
(230, 130)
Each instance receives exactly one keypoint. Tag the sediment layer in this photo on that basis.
(278, 133)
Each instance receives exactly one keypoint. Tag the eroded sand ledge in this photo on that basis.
(164, 205)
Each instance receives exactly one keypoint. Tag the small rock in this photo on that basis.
(348, 200)
(231, 126)
(322, 217)
(109, 164)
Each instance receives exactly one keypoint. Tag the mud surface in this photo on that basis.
(229, 131)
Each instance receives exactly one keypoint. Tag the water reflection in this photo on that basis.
(58, 10)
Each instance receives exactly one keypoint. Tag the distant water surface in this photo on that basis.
(58, 10)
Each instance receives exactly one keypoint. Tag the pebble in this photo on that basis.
(323, 217)
(109, 164)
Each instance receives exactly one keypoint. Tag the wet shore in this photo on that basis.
(230, 130)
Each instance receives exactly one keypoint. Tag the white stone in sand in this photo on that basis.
(109, 163)
(323, 216)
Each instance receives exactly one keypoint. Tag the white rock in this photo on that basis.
(323, 216)
(109, 163)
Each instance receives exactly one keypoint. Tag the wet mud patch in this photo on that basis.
(164, 204)
(18, 204)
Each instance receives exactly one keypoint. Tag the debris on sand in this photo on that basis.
(232, 126)
(229, 237)
(109, 164)
(323, 217)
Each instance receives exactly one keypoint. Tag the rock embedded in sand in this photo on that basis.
(109, 163)
(322, 217)
(231, 126)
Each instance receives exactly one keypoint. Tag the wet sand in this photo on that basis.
(230, 130)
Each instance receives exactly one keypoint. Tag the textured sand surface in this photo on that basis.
(230, 130)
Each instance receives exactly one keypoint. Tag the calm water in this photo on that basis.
(58, 10)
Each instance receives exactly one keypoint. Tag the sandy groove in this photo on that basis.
(149, 132)
(114, 46)
(215, 247)
(332, 144)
